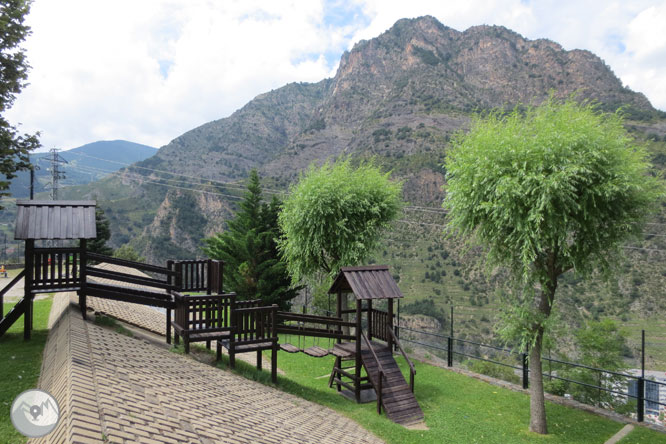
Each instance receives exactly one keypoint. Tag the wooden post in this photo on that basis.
(338, 312)
(168, 325)
(357, 381)
(27, 292)
(370, 319)
(274, 351)
(344, 305)
(220, 288)
(209, 276)
(390, 324)
(83, 276)
(179, 276)
(170, 280)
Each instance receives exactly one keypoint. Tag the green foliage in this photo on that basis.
(21, 363)
(334, 217)
(560, 180)
(253, 268)
(425, 307)
(14, 147)
(493, 370)
(382, 135)
(128, 253)
(546, 190)
(98, 245)
(601, 345)
(428, 57)
(555, 386)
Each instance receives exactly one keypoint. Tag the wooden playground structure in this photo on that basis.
(367, 342)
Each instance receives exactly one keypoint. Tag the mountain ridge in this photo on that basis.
(397, 98)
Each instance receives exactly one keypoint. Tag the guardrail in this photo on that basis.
(644, 387)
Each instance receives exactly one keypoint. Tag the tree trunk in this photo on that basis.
(538, 422)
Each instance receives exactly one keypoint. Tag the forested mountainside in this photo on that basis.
(398, 97)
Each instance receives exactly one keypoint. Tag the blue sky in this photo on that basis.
(100, 73)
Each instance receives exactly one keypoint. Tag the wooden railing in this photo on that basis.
(412, 370)
(198, 275)
(120, 277)
(380, 325)
(130, 264)
(312, 325)
(253, 325)
(203, 313)
(56, 268)
(380, 369)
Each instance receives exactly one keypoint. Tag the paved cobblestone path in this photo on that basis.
(113, 388)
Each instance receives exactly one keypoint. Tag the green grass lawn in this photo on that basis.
(458, 409)
(20, 363)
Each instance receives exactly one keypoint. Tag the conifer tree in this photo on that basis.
(253, 268)
(98, 245)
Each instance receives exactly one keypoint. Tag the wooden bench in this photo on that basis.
(202, 317)
(253, 328)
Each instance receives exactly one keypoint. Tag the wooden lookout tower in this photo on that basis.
(374, 350)
(50, 269)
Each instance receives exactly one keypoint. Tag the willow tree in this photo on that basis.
(558, 187)
(334, 217)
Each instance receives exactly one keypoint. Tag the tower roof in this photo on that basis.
(55, 219)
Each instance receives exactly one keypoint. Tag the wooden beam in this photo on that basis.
(83, 276)
(357, 382)
(27, 292)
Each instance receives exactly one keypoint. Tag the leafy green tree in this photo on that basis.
(98, 245)
(14, 147)
(555, 188)
(253, 268)
(334, 217)
(128, 253)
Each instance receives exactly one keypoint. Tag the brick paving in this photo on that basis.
(142, 316)
(125, 390)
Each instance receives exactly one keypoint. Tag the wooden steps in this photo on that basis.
(398, 400)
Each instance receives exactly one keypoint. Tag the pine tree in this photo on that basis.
(253, 268)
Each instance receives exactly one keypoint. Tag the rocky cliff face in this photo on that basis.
(397, 97)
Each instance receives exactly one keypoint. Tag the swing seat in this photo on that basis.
(339, 352)
(315, 352)
(289, 348)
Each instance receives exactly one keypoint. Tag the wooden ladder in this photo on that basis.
(396, 395)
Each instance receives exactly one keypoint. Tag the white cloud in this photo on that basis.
(150, 70)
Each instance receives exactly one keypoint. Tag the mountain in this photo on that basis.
(85, 164)
(397, 97)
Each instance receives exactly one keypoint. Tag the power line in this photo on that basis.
(142, 179)
(268, 190)
(127, 173)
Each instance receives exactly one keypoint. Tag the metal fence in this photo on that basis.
(618, 384)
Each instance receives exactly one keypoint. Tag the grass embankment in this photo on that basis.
(20, 364)
(458, 409)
